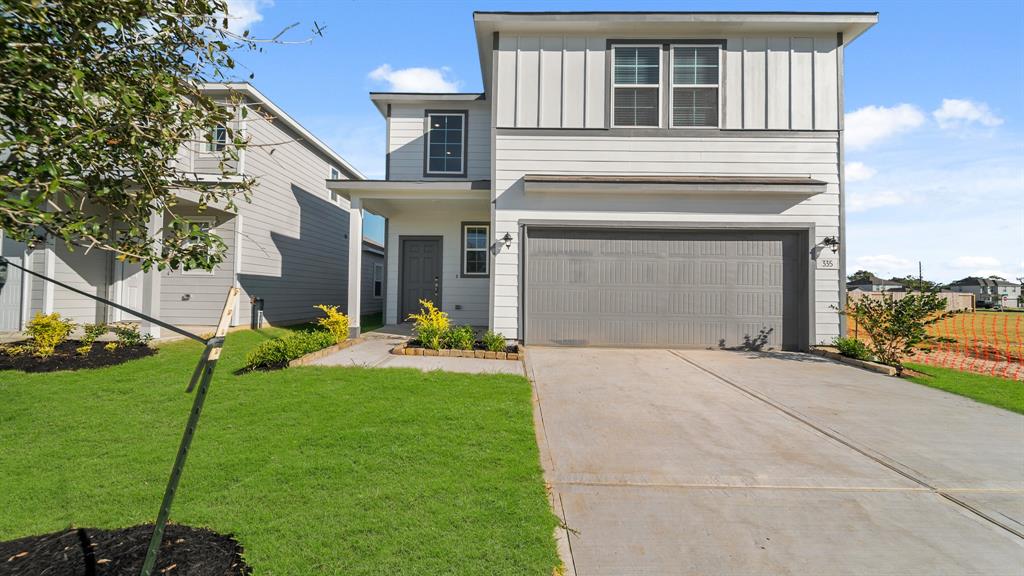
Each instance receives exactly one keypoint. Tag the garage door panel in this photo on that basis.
(663, 288)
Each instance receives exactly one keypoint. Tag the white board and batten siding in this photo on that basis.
(407, 129)
(773, 83)
(813, 155)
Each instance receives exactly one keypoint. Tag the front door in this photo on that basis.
(420, 274)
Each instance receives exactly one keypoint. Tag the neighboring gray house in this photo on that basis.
(625, 179)
(372, 278)
(874, 284)
(289, 246)
(990, 292)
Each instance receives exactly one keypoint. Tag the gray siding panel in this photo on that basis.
(197, 297)
(369, 303)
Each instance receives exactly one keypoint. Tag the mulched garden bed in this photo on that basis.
(414, 348)
(66, 358)
(93, 552)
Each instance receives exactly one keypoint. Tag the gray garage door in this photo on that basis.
(671, 288)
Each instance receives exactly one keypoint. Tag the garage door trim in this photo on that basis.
(808, 338)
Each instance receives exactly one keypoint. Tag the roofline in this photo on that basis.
(252, 92)
(380, 99)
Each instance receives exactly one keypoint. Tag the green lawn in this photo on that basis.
(315, 470)
(371, 322)
(1001, 392)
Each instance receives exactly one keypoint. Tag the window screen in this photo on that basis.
(695, 86)
(446, 143)
(475, 240)
(218, 139)
(636, 76)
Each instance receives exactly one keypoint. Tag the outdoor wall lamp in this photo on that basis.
(507, 239)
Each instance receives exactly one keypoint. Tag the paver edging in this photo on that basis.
(404, 349)
(314, 356)
(862, 364)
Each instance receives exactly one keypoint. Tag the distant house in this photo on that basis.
(989, 292)
(372, 278)
(288, 246)
(874, 284)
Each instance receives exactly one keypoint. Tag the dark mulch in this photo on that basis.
(478, 345)
(92, 552)
(66, 358)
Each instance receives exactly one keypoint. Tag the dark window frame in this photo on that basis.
(426, 143)
(463, 249)
(672, 86)
(218, 140)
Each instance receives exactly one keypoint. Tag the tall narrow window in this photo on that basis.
(335, 175)
(378, 280)
(695, 82)
(446, 143)
(474, 249)
(218, 139)
(636, 86)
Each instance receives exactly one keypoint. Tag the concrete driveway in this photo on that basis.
(708, 462)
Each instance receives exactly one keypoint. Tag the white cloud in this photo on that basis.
(974, 262)
(415, 79)
(861, 200)
(858, 171)
(872, 124)
(242, 14)
(885, 265)
(986, 272)
(955, 114)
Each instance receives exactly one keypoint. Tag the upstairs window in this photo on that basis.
(695, 80)
(636, 86)
(446, 144)
(218, 139)
(335, 175)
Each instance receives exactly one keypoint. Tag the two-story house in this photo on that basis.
(625, 179)
(990, 292)
(288, 246)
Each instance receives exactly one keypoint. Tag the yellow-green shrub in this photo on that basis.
(430, 325)
(48, 331)
(336, 323)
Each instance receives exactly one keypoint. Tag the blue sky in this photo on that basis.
(934, 95)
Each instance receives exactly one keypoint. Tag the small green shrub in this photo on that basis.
(430, 325)
(336, 323)
(852, 348)
(93, 331)
(459, 338)
(276, 353)
(494, 341)
(84, 349)
(48, 331)
(110, 346)
(128, 334)
(16, 349)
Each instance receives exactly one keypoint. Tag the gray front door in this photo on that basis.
(665, 288)
(420, 274)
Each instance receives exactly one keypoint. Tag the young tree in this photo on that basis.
(860, 275)
(895, 326)
(97, 99)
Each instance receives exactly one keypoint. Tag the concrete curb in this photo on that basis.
(862, 364)
(404, 349)
(314, 356)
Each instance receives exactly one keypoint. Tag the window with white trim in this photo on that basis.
(218, 139)
(205, 224)
(335, 175)
(446, 143)
(475, 240)
(636, 86)
(378, 280)
(695, 86)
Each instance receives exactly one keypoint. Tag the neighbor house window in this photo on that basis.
(475, 240)
(378, 280)
(636, 86)
(446, 143)
(695, 80)
(218, 139)
(335, 175)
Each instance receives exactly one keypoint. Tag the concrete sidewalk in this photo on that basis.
(375, 352)
(699, 462)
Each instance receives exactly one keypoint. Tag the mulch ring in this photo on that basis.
(65, 357)
(415, 348)
(93, 552)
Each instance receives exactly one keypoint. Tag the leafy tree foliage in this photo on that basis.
(97, 99)
(917, 284)
(895, 326)
(859, 275)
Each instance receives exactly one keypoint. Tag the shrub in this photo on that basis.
(128, 334)
(48, 331)
(276, 353)
(110, 346)
(852, 348)
(896, 326)
(90, 333)
(336, 323)
(494, 341)
(430, 325)
(16, 350)
(459, 338)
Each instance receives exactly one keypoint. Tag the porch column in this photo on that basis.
(355, 264)
(151, 280)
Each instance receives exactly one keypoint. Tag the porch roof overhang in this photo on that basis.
(776, 185)
(386, 197)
